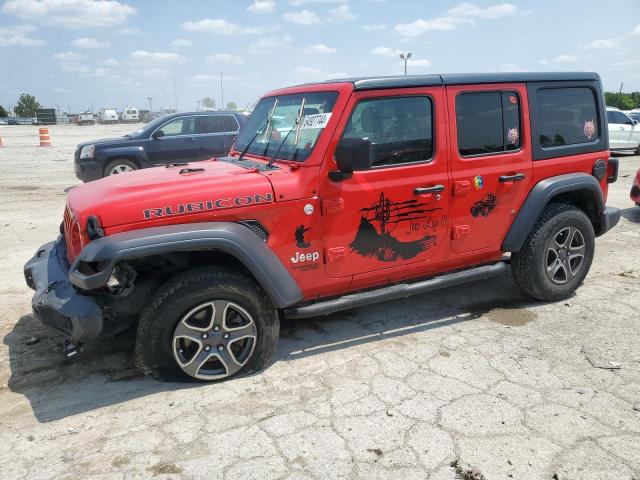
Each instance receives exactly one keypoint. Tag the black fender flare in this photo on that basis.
(110, 153)
(540, 195)
(232, 238)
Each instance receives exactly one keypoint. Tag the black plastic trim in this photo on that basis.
(616, 165)
(402, 290)
(541, 194)
(232, 238)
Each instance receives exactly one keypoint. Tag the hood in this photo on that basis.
(110, 141)
(158, 195)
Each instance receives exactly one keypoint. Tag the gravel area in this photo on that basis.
(476, 382)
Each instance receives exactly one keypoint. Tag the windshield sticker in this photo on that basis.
(589, 129)
(513, 136)
(318, 120)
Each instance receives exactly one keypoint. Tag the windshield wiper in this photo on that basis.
(258, 132)
(296, 125)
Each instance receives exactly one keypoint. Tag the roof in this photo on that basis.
(371, 83)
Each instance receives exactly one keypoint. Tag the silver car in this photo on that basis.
(624, 131)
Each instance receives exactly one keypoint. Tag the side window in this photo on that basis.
(217, 124)
(488, 122)
(179, 126)
(400, 129)
(567, 116)
(619, 117)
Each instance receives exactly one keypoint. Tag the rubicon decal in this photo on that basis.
(208, 205)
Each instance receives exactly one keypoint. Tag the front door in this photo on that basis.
(491, 162)
(396, 213)
(178, 142)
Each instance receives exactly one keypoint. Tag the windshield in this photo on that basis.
(277, 125)
(148, 127)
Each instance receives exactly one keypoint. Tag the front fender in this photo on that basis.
(541, 194)
(138, 152)
(232, 238)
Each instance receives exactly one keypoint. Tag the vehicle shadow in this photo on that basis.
(104, 374)
(632, 214)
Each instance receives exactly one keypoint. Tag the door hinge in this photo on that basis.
(332, 205)
(460, 231)
(461, 187)
(333, 254)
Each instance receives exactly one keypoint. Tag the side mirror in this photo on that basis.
(158, 134)
(352, 154)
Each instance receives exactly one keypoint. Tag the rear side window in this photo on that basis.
(217, 124)
(400, 129)
(567, 116)
(488, 122)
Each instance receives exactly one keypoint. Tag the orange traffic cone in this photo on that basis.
(1, 145)
(45, 138)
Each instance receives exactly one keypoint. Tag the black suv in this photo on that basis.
(178, 137)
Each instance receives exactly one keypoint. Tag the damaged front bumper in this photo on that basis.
(56, 302)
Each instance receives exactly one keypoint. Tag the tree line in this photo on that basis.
(623, 101)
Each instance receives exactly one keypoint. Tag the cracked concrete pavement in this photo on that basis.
(478, 374)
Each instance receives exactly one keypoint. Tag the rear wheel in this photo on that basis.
(557, 254)
(118, 166)
(207, 324)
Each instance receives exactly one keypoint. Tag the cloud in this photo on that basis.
(67, 56)
(111, 62)
(467, 9)
(386, 52)
(374, 27)
(635, 31)
(17, 36)
(262, 6)
(315, 74)
(92, 43)
(70, 13)
(341, 14)
(418, 63)
(219, 26)
(626, 63)
(270, 44)
(461, 14)
(225, 58)
(82, 69)
(181, 43)
(320, 48)
(156, 57)
(297, 3)
(303, 17)
(154, 72)
(204, 78)
(129, 31)
(604, 44)
(561, 59)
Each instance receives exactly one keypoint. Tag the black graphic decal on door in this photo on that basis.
(374, 236)
(485, 206)
(300, 241)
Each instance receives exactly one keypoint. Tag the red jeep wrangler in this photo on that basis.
(336, 195)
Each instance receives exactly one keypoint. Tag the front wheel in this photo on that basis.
(557, 254)
(118, 166)
(207, 324)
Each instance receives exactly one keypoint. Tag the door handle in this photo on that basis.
(424, 190)
(511, 178)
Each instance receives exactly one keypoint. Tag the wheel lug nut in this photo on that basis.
(204, 335)
(216, 328)
(225, 336)
(207, 348)
(220, 348)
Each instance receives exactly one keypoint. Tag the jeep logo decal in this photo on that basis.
(218, 204)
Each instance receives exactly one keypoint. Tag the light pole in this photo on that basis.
(198, 105)
(150, 108)
(405, 57)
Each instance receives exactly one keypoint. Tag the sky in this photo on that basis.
(83, 54)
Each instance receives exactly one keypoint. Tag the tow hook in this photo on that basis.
(69, 349)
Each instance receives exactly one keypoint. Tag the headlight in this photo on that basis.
(87, 151)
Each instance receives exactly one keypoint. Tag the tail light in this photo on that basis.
(612, 170)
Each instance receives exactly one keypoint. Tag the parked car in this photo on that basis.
(108, 116)
(180, 137)
(85, 118)
(624, 131)
(382, 188)
(12, 121)
(129, 115)
(635, 189)
(634, 114)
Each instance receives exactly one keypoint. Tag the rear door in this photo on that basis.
(177, 144)
(216, 134)
(396, 213)
(491, 162)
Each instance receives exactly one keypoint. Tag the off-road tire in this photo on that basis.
(529, 264)
(154, 341)
(125, 162)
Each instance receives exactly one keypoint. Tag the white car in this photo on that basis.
(624, 131)
(130, 115)
(108, 116)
